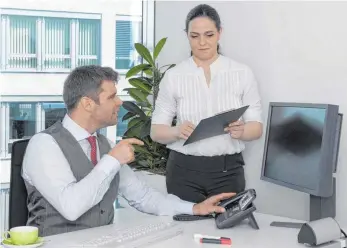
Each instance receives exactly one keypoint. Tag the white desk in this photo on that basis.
(242, 236)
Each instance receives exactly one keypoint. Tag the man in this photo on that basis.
(73, 175)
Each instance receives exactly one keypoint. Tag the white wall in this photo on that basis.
(298, 52)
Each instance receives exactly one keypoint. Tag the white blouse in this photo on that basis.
(184, 93)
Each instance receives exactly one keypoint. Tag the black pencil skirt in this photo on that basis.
(195, 178)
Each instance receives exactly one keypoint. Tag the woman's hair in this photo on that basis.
(204, 10)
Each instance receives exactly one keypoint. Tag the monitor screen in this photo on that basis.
(294, 145)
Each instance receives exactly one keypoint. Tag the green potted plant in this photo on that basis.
(145, 79)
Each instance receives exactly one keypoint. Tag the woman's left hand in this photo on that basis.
(236, 129)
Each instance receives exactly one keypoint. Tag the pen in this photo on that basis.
(199, 236)
(216, 241)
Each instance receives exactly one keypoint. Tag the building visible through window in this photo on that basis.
(53, 112)
(128, 32)
(49, 43)
(22, 120)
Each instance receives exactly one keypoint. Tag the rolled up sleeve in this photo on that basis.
(165, 105)
(252, 98)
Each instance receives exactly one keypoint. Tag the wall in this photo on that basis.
(298, 53)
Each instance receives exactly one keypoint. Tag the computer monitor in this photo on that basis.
(301, 149)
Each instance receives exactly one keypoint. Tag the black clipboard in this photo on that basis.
(215, 125)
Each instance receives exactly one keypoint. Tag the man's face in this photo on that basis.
(106, 112)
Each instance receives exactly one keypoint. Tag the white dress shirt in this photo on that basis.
(184, 93)
(46, 168)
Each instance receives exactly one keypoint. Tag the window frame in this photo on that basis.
(40, 122)
(40, 55)
(147, 28)
(148, 39)
(131, 18)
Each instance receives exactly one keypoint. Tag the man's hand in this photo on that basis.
(124, 151)
(209, 206)
(236, 129)
(184, 130)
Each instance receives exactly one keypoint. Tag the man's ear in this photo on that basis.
(87, 104)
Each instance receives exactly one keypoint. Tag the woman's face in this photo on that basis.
(203, 37)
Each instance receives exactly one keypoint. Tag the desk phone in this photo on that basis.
(238, 208)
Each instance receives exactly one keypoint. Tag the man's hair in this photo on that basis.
(86, 81)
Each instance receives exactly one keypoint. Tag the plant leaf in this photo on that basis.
(136, 69)
(137, 89)
(138, 95)
(158, 47)
(138, 83)
(148, 72)
(164, 66)
(134, 131)
(143, 163)
(144, 52)
(146, 80)
(146, 129)
(141, 149)
(133, 108)
(144, 105)
(159, 161)
(128, 116)
(171, 66)
(135, 121)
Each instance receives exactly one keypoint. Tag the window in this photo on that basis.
(39, 44)
(128, 32)
(56, 45)
(22, 122)
(52, 112)
(88, 42)
(49, 43)
(22, 48)
(24, 119)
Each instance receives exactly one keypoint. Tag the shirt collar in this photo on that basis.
(214, 66)
(78, 132)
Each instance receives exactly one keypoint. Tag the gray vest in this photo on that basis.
(45, 216)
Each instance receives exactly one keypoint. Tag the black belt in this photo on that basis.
(207, 164)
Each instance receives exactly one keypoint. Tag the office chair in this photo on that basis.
(18, 210)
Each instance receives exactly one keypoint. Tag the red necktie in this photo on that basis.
(92, 142)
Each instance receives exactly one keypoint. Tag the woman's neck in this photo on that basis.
(206, 62)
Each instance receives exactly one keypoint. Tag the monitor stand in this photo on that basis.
(320, 207)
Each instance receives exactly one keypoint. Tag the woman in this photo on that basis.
(205, 84)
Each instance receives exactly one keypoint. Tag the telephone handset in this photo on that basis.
(238, 208)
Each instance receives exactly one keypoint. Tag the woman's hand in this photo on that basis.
(236, 129)
(184, 130)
